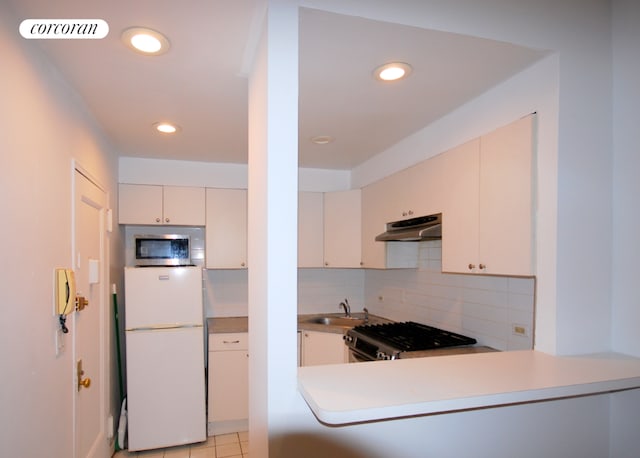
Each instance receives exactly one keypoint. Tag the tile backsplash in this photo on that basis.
(497, 311)
(487, 308)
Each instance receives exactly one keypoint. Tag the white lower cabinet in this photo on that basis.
(228, 368)
(318, 348)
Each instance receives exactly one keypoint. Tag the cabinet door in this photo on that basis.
(506, 200)
(374, 220)
(323, 348)
(184, 206)
(226, 228)
(342, 232)
(310, 229)
(228, 385)
(426, 187)
(460, 170)
(139, 204)
(395, 200)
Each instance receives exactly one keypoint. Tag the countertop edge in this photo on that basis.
(539, 377)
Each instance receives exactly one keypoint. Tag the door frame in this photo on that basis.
(105, 340)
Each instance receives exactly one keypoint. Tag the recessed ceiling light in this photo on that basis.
(166, 127)
(145, 41)
(322, 139)
(392, 71)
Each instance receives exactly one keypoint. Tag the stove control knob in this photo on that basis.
(381, 355)
(347, 338)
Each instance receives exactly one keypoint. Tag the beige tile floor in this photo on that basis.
(232, 445)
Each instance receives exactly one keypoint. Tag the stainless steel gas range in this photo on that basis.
(401, 340)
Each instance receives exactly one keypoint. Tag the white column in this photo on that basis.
(272, 221)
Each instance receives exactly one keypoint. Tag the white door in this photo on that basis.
(90, 325)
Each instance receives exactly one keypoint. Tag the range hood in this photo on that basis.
(413, 230)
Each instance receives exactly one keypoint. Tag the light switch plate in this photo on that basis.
(94, 271)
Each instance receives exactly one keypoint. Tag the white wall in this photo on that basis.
(43, 126)
(626, 218)
(626, 184)
(219, 175)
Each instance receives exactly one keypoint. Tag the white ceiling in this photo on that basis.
(200, 83)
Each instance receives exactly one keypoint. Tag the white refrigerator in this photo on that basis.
(164, 332)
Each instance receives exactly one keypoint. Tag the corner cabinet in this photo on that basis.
(487, 222)
(228, 384)
(226, 228)
(161, 205)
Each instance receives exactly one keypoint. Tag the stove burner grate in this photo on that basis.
(412, 336)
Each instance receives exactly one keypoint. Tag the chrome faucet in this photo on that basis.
(347, 308)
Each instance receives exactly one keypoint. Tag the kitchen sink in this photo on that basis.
(337, 321)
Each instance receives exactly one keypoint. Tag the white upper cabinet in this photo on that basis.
(310, 229)
(155, 205)
(410, 193)
(460, 168)
(342, 229)
(374, 220)
(226, 229)
(426, 188)
(488, 216)
(506, 200)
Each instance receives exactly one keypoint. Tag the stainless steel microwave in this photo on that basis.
(162, 250)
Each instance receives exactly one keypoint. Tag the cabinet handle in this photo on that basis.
(158, 220)
(326, 263)
(482, 266)
(242, 264)
(472, 266)
(230, 341)
(166, 220)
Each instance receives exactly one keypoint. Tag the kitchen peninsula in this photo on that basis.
(385, 390)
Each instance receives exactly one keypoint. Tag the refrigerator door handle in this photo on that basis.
(160, 327)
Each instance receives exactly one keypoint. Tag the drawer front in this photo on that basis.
(229, 341)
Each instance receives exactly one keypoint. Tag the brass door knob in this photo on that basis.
(81, 303)
(82, 382)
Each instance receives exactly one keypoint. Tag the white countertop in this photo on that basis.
(377, 390)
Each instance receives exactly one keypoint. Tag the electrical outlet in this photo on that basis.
(520, 330)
